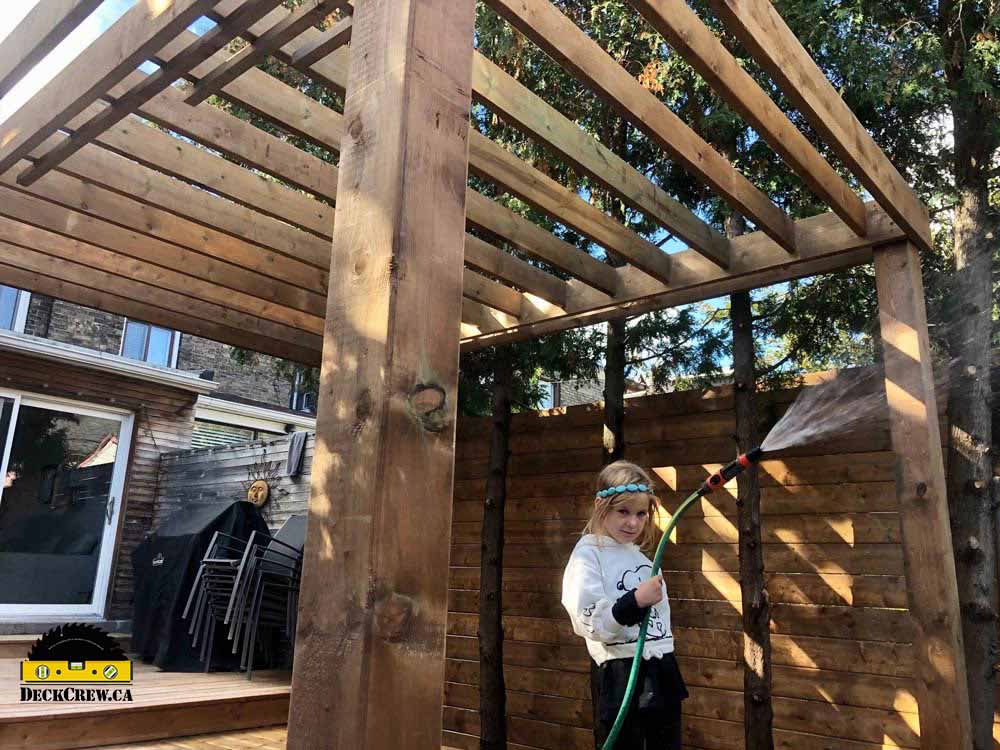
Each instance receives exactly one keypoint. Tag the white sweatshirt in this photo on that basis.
(599, 572)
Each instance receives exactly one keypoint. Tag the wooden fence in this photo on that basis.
(840, 630)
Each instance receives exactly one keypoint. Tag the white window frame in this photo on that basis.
(20, 309)
(175, 343)
(95, 608)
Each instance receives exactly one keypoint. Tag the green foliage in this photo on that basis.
(565, 355)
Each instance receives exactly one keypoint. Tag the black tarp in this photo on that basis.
(165, 566)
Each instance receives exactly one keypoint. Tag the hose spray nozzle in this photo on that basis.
(730, 470)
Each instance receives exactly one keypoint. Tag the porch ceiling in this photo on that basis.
(123, 192)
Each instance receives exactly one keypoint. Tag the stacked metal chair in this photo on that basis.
(212, 590)
(267, 593)
(250, 586)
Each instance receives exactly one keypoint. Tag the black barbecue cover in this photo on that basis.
(164, 568)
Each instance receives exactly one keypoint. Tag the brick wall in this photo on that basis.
(82, 326)
(260, 381)
(39, 316)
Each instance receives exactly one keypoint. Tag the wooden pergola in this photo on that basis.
(123, 192)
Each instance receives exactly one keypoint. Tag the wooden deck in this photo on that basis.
(269, 738)
(165, 705)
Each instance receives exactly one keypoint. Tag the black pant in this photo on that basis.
(659, 731)
(649, 729)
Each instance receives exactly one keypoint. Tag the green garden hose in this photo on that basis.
(716, 480)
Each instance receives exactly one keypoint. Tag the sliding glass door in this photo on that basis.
(63, 468)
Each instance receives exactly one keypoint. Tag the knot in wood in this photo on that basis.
(393, 617)
(427, 401)
(921, 490)
(362, 412)
(355, 128)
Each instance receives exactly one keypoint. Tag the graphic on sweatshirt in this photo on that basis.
(630, 579)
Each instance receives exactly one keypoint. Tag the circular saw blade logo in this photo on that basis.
(76, 653)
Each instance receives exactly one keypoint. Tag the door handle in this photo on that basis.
(109, 511)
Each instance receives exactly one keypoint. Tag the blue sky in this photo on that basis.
(105, 15)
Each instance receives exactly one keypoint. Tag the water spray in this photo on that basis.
(718, 479)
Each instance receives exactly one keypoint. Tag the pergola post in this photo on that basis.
(369, 659)
(940, 679)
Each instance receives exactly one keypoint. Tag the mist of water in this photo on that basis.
(848, 402)
(851, 401)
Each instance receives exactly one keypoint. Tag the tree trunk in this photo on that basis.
(757, 710)
(614, 392)
(970, 421)
(615, 137)
(492, 691)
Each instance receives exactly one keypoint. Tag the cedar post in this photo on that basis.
(369, 657)
(940, 679)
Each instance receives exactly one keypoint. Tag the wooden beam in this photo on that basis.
(152, 188)
(493, 162)
(103, 205)
(486, 319)
(145, 28)
(526, 110)
(327, 43)
(308, 14)
(497, 263)
(99, 298)
(194, 54)
(828, 245)
(477, 287)
(685, 32)
(37, 34)
(532, 239)
(940, 678)
(558, 36)
(159, 306)
(89, 197)
(772, 44)
(86, 240)
(373, 603)
(296, 113)
(243, 142)
(153, 148)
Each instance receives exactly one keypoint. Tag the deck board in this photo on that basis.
(166, 706)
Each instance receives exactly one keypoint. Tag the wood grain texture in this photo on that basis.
(942, 687)
(143, 29)
(373, 604)
(558, 36)
(759, 26)
(37, 34)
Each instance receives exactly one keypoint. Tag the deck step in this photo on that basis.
(166, 705)
(18, 646)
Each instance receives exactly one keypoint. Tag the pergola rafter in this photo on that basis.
(121, 191)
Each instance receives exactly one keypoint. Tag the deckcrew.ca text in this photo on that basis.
(76, 695)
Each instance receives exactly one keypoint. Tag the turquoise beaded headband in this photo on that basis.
(618, 489)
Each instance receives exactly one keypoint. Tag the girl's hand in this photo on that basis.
(650, 591)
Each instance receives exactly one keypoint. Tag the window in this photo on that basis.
(149, 343)
(13, 308)
(551, 395)
(301, 399)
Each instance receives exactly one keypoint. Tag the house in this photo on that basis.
(88, 402)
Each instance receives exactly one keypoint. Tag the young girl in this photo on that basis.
(607, 590)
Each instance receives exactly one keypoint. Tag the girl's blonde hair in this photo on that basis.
(624, 472)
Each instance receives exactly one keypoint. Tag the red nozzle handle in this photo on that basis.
(730, 470)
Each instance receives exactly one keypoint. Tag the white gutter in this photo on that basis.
(253, 417)
(69, 354)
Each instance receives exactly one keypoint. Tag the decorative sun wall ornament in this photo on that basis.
(263, 484)
(258, 493)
